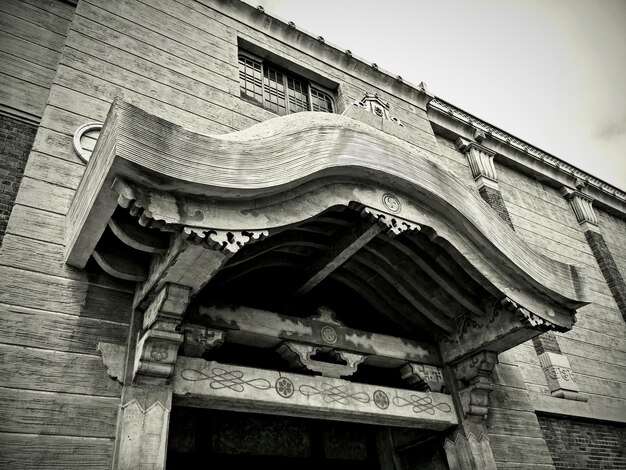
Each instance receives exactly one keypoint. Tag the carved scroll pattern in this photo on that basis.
(343, 394)
(392, 224)
(224, 240)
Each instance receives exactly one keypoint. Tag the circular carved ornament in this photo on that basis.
(392, 203)
(329, 334)
(284, 387)
(381, 400)
(159, 353)
(78, 135)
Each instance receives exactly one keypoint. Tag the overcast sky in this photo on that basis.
(551, 72)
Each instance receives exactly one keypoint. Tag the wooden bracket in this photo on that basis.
(475, 374)
(423, 376)
(159, 340)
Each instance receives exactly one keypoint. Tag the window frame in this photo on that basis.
(286, 74)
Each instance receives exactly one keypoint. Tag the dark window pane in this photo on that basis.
(274, 91)
(321, 101)
(249, 78)
(298, 97)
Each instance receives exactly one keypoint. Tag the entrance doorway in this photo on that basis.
(202, 438)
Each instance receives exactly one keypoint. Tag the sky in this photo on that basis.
(550, 72)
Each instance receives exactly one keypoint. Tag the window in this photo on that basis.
(280, 91)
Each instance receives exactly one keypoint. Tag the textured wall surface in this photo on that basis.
(16, 139)
(579, 445)
(33, 34)
(178, 60)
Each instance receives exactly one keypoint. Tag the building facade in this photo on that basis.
(225, 241)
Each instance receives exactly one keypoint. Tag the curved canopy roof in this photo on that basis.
(332, 203)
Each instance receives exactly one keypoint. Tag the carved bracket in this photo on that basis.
(156, 353)
(423, 377)
(200, 339)
(559, 376)
(299, 355)
(114, 359)
(582, 205)
(224, 240)
(375, 105)
(480, 160)
(159, 340)
(392, 225)
(475, 375)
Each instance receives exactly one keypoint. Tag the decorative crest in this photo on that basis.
(375, 105)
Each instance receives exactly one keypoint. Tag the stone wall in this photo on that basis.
(16, 140)
(581, 445)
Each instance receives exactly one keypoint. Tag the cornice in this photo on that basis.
(548, 163)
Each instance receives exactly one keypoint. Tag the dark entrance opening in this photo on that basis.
(203, 438)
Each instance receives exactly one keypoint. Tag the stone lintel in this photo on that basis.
(206, 383)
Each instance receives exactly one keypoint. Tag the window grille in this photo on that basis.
(280, 91)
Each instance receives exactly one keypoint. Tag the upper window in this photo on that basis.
(280, 91)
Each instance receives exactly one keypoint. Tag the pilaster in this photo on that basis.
(582, 205)
(468, 447)
(483, 170)
(143, 420)
(556, 368)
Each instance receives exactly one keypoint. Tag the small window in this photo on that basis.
(280, 91)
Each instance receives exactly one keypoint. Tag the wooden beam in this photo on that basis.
(250, 324)
(409, 292)
(187, 262)
(137, 237)
(449, 285)
(344, 249)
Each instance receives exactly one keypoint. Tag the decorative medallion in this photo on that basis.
(392, 203)
(329, 334)
(375, 105)
(158, 352)
(284, 387)
(381, 400)
(92, 128)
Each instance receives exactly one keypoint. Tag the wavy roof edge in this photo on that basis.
(515, 142)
